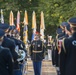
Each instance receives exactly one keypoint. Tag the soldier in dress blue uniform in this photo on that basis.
(9, 43)
(6, 59)
(37, 53)
(68, 52)
(59, 37)
(19, 44)
(58, 31)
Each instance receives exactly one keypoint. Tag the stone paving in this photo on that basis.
(47, 68)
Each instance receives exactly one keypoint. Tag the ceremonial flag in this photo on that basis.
(25, 18)
(25, 30)
(33, 24)
(2, 18)
(18, 21)
(25, 34)
(42, 25)
(11, 19)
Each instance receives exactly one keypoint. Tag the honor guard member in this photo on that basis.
(20, 46)
(6, 63)
(54, 51)
(13, 35)
(49, 47)
(37, 53)
(68, 52)
(58, 45)
(9, 43)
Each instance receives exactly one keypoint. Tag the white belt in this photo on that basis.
(36, 51)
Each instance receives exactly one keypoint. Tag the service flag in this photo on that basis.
(42, 25)
(25, 30)
(11, 18)
(33, 24)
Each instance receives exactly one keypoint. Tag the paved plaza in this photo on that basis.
(47, 68)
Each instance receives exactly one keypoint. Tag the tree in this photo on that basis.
(55, 12)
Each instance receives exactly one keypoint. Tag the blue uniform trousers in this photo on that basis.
(37, 67)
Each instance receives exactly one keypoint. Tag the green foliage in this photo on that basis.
(55, 11)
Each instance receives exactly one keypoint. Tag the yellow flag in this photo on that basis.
(11, 18)
(25, 18)
(42, 24)
(25, 30)
(33, 20)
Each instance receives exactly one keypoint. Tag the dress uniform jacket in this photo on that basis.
(6, 63)
(68, 56)
(37, 50)
(8, 43)
(56, 54)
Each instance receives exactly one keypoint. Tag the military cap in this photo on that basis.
(64, 24)
(37, 33)
(1, 33)
(68, 27)
(72, 22)
(4, 26)
(59, 30)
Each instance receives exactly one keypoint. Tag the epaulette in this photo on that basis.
(63, 45)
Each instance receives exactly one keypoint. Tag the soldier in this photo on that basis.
(9, 43)
(58, 45)
(19, 45)
(54, 51)
(37, 53)
(6, 60)
(49, 47)
(68, 52)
